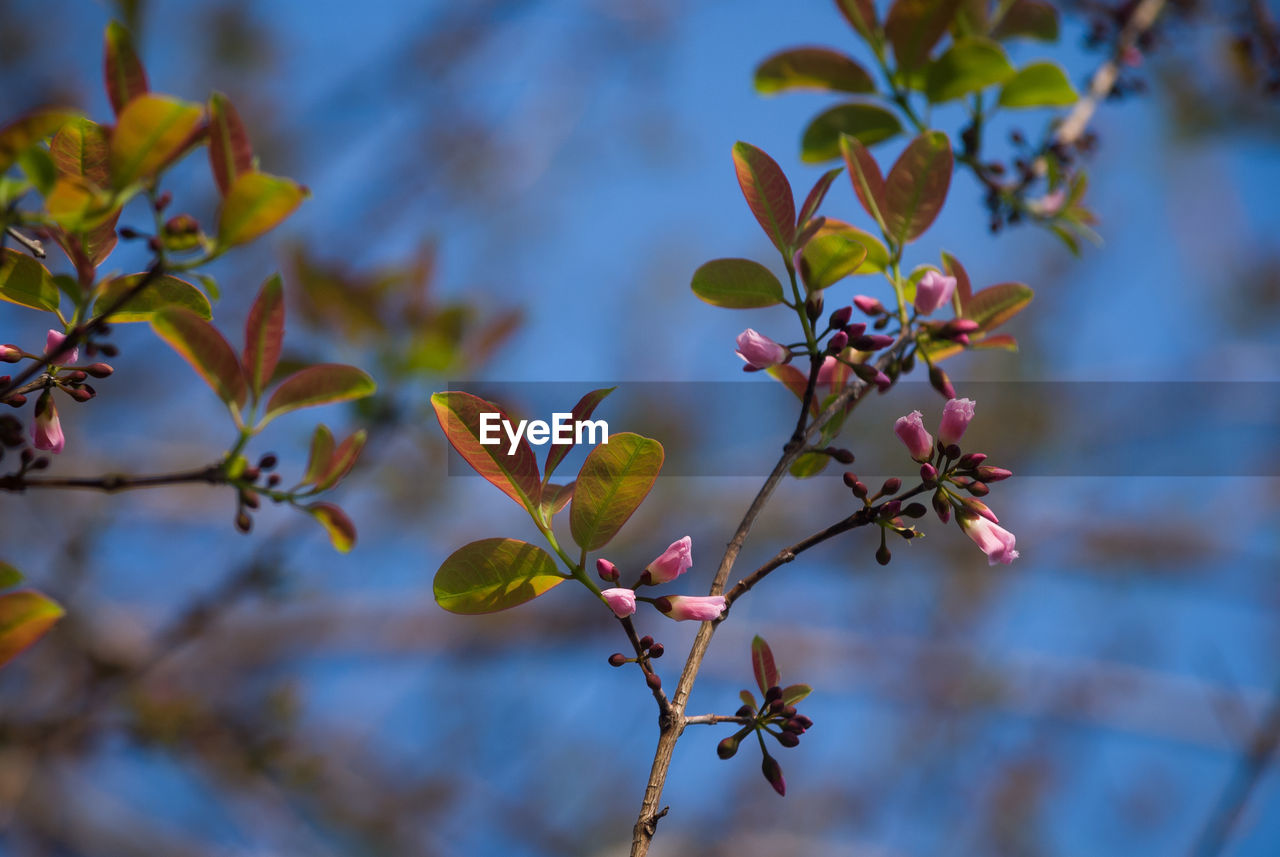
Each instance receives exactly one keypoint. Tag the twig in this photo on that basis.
(664, 704)
(34, 246)
(110, 483)
(712, 719)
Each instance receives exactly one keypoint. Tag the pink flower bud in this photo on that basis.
(46, 433)
(956, 414)
(841, 317)
(868, 305)
(760, 351)
(910, 430)
(838, 341)
(606, 569)
(10, 353)
(675, 561)
(51, 345)
(995, 541)
(621, 601)
(987, 473)
(873, 342)
(933, 291)
(703, 608)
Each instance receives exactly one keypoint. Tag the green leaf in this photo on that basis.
(323, 384)
(515, 473)
(25, 616)
(256, 204)
(229, 151)
(995, 305)
(582, 411)
(748, 699)
(1040, 84)
(864, 173)
(125, 77)
(342, 533)
(917, 186)
(829, 257)
(152, 132)
(28, 130)
(970, 65)
(210, 287)
(877, 258)
(200, 344)
(25, 282)
(613, 482)
(861, 15)
(768, 193)
(867, 123)
(163, 292)
(555, 498)
(38, 167)
(9, 576)
(1028, 19)
(812, 68)
(341, 462)
(737, 284)
(264, 334)
(320, 455)
(762, 665)
(809, 464)
(793, 693)
(494, 574)
(915, 26)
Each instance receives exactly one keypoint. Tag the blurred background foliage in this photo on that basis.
(514, 190)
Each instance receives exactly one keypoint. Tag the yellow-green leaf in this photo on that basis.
(342, 533)
(163, 292)
(153, 130)
(25, 616)
(25, 131)
(318, 385)
(1040, 84)
(494, 574)
(736, 284)
(25, 282)
(613, 482)
(812, 68)
(256, 204)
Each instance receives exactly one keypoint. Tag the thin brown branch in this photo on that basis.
(213, 474)
(712, 719)
(655, 684)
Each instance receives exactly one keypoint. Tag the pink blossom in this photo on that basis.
(996, 542)
(46, 433)
(703, 608)
(51, 345)
(621, 601)
(1049, 204)
(956, 414)
(933, 291)
(869, 305)
(675, 561)
(910, 430)
(760, 351)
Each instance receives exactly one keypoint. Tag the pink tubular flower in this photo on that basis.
(621, 601)
(703, 608)
(933, 291)
(46, 432)
(956, 414)
(51, 344)
(675, 561)
(996, 542)
(910, 430)
(760, 351)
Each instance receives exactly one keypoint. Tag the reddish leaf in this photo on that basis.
(582, 411)
(201, 345)
(323, 384)
(915, 26)
(25, 616)
(342, 533)
(1028, 19)
(964, 289)
(917, 186)
(995, 305)
(125, 77)
(80, 149)
(864, 173)
(861, 15)
(264, 334)
(515, 473)
(555, 498)
(341, 462)
(256, 204)
(768, 193)
(25, 131)
(795, 381)
(813, 201)
(762, 664)
(229, 151)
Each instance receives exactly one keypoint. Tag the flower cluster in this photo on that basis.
(61, 374)
(945, 468)
(670, 564)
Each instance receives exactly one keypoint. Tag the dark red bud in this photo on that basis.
(744, 711)
(617, 659)
(891, 509)
(870, 306)
(243, 522)
(993, 474)
(773, 693)
(727, 748)
(941, 382)
(17, 400)
(656, 650)
(838, 341)
(915, 510)
(872, 342)
(10, 353)
(978, 489)
(972, 460)
(653, 680)
(891, 486)
(250, 499)
(841, 317)
(928, 473)
(843, 456)
(108, 350)
(79, 394)
(40, 463)
(163, 200)
(813, 306)
(646, 641)
(951, 450)
(267, 461)
(941, 507)
(773, 773)
(607, 570)
(273, 480)
(128, 233)
(883, 555)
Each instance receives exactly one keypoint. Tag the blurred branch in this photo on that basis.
(112, 482)
(34, 247)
